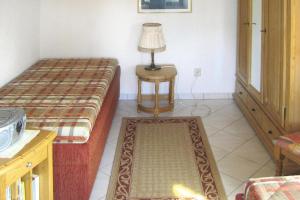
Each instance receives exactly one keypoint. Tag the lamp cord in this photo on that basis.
(196, 105)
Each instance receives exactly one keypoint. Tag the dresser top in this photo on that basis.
(43, 138)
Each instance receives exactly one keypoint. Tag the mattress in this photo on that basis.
(62, 95)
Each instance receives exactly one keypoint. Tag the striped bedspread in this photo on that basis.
(63, 95)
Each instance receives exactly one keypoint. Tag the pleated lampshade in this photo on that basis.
(152, 39)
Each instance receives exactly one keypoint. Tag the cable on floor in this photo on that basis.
(196, 105)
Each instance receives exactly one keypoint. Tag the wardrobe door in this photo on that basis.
(274, 74)
(257, 47)
(244, 31)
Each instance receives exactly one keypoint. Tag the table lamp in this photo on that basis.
(152, 40)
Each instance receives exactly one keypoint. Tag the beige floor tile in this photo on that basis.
(108, 154)
(226, 141)
(219, 153)
(106, 169)
(127, 105)
(231, 110)
(114, 131)
(192, 111)
(179, 109)
(271, 164)
(219, 121)
(128, 109)
(241, 128)
(254, 151)
(176, 113)
(97, 198)
(230, 197)
(266, 171)
(230, 183)
(100, 187)
(237, 167)
(214, 105)
(117, 120)
(210, 131)
(108, 157)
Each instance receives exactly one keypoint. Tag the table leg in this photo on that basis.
(2, 189)
(171, 92)
(139, 97)
(279, 161)
(156, 108)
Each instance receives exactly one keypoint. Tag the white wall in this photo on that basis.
(205, 38)
(19, 37)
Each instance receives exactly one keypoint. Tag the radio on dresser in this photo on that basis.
(12, 125)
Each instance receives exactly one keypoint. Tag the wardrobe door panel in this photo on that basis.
(292, 122)
(244, 27)
(274, 76)
(256, 44)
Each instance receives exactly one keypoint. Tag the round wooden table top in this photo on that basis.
(166, 73)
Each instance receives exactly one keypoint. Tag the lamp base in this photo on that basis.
(153, 68)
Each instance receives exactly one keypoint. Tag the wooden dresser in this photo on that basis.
(268, 72)
(35, 158)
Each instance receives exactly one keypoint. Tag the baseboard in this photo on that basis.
(186, 96)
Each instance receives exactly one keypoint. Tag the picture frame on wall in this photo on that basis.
(164, 6)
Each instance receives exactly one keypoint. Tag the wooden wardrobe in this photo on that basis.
(268, 72)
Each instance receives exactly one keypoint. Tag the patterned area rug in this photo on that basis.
(164, 159)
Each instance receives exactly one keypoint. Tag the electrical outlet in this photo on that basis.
(197, 72)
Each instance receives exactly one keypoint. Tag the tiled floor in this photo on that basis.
(238, 152)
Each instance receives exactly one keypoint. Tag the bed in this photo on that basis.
(76, 98)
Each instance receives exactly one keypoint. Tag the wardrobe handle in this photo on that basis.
(263, 30)
(270, 132)
(248, 23)
(29, 164)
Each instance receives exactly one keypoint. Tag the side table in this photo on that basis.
(166, 74)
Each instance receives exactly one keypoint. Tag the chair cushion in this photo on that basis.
(289, 143)
(239, 197)
(275, 188)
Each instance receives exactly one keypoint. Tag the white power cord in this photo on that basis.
(196, 105)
